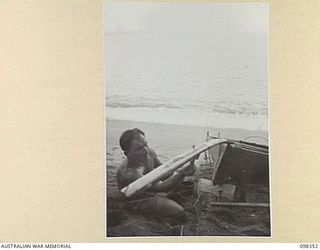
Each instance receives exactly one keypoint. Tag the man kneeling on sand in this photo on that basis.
(140, 160)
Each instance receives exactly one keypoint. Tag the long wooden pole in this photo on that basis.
(240, 204)
(169, 166)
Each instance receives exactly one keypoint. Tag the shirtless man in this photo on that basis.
(140, 159)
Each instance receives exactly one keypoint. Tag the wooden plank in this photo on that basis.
(222, 150)
(250, 148)
(240, 204)
(171, 165)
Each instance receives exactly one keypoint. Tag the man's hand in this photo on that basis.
(167, 184)
(188, 170)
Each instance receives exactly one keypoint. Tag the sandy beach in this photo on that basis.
(169, 141)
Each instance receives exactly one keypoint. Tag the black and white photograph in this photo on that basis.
(186, 119)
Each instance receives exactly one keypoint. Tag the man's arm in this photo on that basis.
(124, 179)
(157, 163)
(169, 183)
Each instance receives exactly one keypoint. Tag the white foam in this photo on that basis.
(189, 117)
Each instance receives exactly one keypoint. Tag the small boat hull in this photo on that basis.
(243, 163)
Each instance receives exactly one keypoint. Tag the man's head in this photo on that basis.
(134, 144)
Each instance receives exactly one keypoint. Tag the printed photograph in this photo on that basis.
(187, 128)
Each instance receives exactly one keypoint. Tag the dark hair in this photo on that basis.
(128, 136)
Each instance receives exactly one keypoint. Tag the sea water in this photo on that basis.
(188, 79)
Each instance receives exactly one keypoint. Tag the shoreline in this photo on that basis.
(189, 117)
(182, 125)
(231, 133)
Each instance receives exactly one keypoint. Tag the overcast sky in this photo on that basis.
(187, 18)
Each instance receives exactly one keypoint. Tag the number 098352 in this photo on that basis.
(308, 246)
